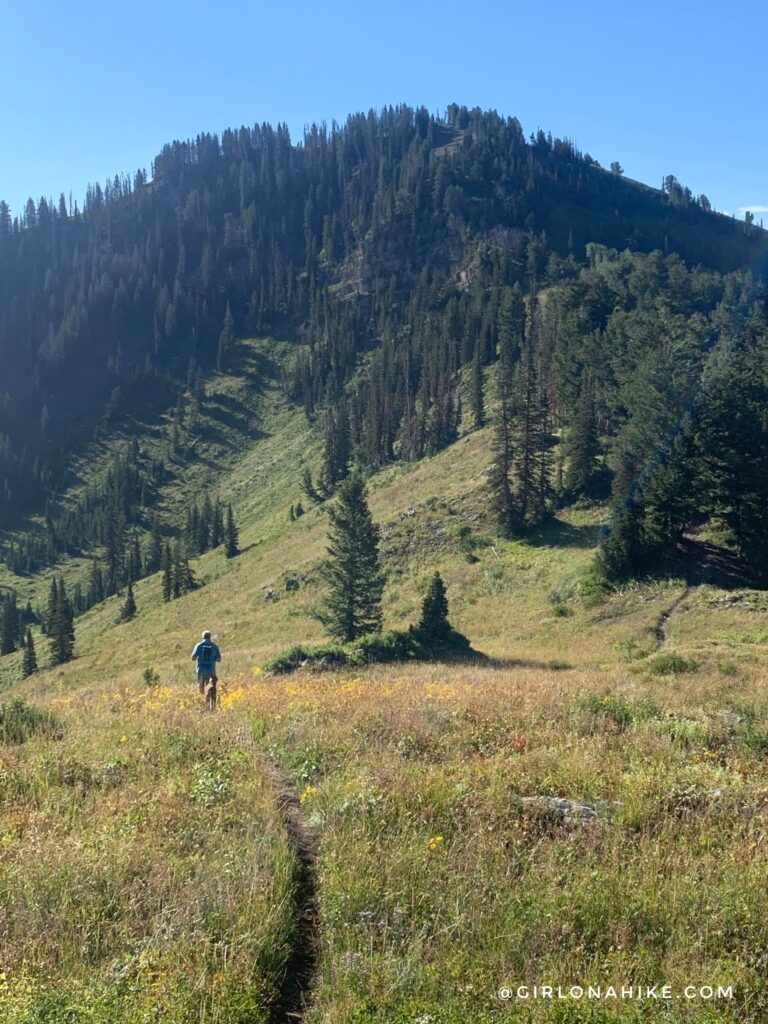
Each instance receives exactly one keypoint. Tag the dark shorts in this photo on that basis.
(207, 684)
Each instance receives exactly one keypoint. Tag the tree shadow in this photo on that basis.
(507, 663)
(702, 562)
(558, 534)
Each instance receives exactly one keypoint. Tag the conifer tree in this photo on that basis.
(128, 610)
(581, 446)
(434, 624)
(231, 539)
(167, 573)
(502, 499)
(337, 446)
(478, 398)
(154, 559)
(29, 660)
(226, 340)
(95, 585)
(9, 625)
(217, 525)
(352, 604)
(53, 603)
(309, 488)
(61, 627)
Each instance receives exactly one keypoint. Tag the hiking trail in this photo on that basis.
(301, 963)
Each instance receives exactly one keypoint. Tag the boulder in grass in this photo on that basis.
(559, 810)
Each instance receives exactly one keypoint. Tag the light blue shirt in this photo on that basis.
(210, 666)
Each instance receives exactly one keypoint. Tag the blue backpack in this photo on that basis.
(205, 655)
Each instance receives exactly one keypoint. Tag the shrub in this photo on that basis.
(671, 664)
(19, 721)
(371, 648)
(150, 677)
(299, 656)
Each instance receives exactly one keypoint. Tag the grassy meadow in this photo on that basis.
(145, 871)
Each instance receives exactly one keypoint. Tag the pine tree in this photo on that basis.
(53, 603)
(217, 525)
(231, 549)
(502, 499)
(204, 522)
(9, 625)
(155, 554)
(352, 605)
(226, 340)
(478, 399)
(532, 460)
(309, 488)
(128, 610)
(29, 661)
(434, 624)
(337, 446)
(61, 627)
(95, 585)
(167, 573)
(434, 630)
(581, 447)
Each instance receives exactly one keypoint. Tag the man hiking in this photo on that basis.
(206, 654)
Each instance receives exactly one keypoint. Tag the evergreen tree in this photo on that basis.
(581, 447)
(167, 573)
(231, 539)
(337, 446)
(95, 585)
(355, 581)
(226, 340)
(9, 624)
(154, 558)
(309, 488)
(61, 627)
(29, 660)
(478, 398)
(499, 482)
(434, 624)
(217, 525)
(128, 609)
(52, 606)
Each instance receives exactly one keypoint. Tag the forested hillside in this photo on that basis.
(402, 255)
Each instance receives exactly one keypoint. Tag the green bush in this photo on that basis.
(19, 721)
(671, 664)
(299, 656)
(382, 647)
(372, 648)
(619, 709)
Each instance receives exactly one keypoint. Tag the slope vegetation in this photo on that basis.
(586, 807)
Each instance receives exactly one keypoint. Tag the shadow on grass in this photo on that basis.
(507, 663)
(558, 534)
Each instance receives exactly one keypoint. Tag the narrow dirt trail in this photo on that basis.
(660, 630)
(301, 964)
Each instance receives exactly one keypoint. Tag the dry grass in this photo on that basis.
(144, 872)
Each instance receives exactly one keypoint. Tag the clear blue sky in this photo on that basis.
(91, 88)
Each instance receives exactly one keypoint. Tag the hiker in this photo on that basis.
(206, 654)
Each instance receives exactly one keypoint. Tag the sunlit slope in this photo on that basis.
(526, 600)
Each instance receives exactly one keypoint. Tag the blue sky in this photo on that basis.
(89, 89)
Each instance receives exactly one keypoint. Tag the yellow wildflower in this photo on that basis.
(308, 792)
(435, 842)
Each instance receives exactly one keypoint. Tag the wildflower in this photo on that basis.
(308, 792)
(256, 670)
(123, 739)
(435, 842)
